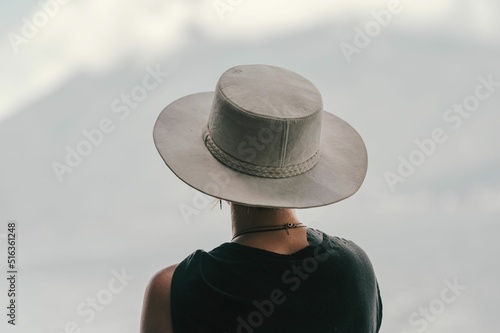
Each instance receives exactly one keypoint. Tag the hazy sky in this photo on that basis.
(94, 35)
(63, 66)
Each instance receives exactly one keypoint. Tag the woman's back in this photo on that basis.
(328, 286)
(262, 142)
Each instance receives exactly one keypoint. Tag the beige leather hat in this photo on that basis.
(261, 139)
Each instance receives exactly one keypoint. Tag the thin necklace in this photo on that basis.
(285, 226)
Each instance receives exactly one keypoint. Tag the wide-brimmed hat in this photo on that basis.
(261, 139)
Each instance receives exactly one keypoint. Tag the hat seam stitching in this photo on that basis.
(284, 144)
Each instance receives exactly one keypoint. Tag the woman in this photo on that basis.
(263, 143)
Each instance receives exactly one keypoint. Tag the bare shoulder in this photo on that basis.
(156, 317)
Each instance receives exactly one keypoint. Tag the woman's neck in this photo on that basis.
(281, 241)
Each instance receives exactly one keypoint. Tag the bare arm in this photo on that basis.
(156, 316)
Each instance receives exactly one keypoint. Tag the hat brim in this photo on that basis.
(338, 174)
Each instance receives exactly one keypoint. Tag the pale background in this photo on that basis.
(119, 208)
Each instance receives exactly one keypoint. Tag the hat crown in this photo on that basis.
(270, 91)
(265, 121)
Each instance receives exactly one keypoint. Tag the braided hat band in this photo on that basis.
(258, 170)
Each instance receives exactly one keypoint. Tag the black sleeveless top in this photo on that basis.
(329, 286)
